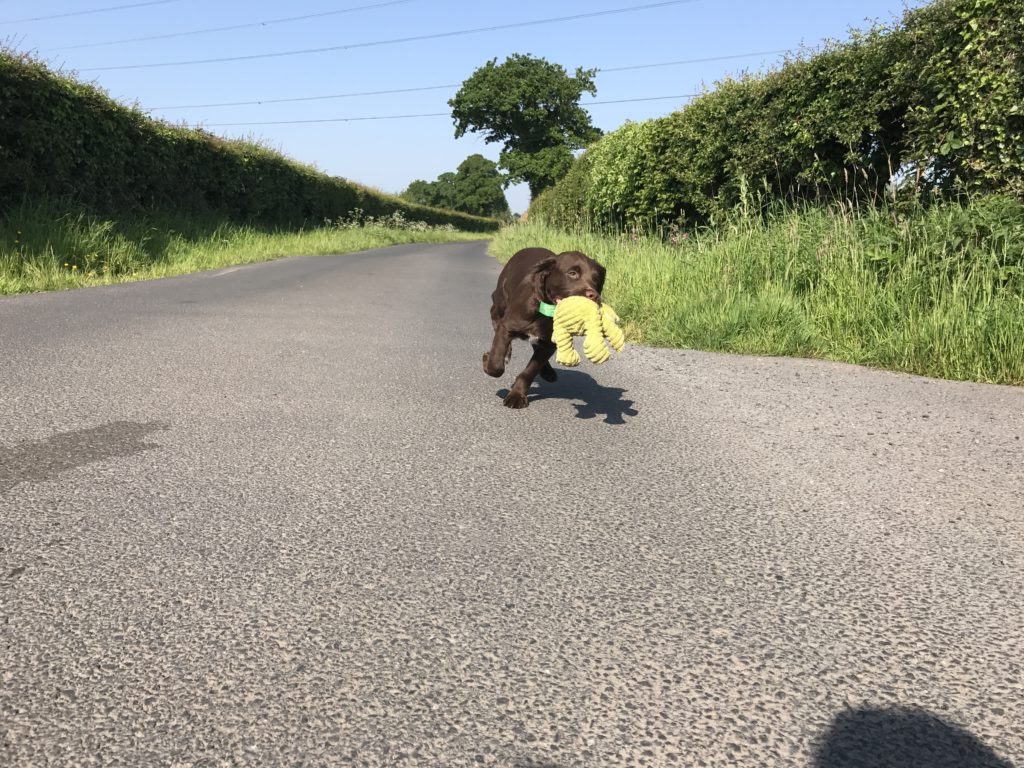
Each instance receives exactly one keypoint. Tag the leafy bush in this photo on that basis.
(966, 118)
(624, 166)
(61, 139)
(933, 107)
(566, 204)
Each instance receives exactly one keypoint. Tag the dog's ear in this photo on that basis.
(543, 268)
(539, 274)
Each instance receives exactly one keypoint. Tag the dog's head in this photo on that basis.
(570, 274)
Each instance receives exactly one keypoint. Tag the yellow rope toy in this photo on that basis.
(579, 316)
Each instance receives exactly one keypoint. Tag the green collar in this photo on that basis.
(546, 309)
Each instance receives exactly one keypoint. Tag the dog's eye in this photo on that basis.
(574, 273)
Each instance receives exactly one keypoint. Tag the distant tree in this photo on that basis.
(444, 192)
(532, 106)
(475, 187)
(419, 191)
(479, 188)
(436, 194)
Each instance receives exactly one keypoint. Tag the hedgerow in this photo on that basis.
(932, 107)
(566, 204)
(61, 139)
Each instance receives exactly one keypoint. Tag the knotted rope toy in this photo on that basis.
(579, 316)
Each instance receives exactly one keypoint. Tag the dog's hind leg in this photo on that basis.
(546, 372)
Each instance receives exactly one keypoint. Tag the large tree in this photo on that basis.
(533, 107)
(475, 187)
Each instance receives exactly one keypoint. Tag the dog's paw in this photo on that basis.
(495, 372)
(548, 373)
(516, 400)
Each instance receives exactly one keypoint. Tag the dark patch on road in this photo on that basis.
(38, 461)
(901, 737)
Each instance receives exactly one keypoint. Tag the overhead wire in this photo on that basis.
(88, 12)
(695, 61)
(304, 98)
(392, 41)
(449, 85)
(421, 114)
(249, 25)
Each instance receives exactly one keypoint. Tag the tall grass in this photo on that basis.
(44, 249)
(937, 291)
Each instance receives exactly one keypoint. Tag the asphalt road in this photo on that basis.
(277, 515)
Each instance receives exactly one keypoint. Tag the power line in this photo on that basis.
(644, 98)
(329, 120)
(266, 23)
(694, 61)
(394, 41)
(423, 114)
(86, 13)
(305, 98)
(448, 85)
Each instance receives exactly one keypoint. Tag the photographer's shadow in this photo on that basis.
(901, 737)
(594, 400)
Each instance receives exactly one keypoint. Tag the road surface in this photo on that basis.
(277, 515)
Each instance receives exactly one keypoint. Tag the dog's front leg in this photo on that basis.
(501, 349)
(542, 352)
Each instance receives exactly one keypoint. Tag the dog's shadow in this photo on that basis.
(595, 399)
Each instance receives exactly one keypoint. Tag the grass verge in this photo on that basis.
(937, 292)
(44, 249)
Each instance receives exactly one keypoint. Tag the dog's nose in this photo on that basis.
(591, 294)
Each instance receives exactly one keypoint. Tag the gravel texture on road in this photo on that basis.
(277, 515)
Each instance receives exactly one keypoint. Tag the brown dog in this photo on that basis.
(535, 277)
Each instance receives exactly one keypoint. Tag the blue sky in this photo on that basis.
(388, 154)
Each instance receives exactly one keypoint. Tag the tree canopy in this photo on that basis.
(532, 107)
(476, 187)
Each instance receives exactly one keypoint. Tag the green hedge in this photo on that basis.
(967, 108)
(62, 139)
(566, 202)
(933, 106)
